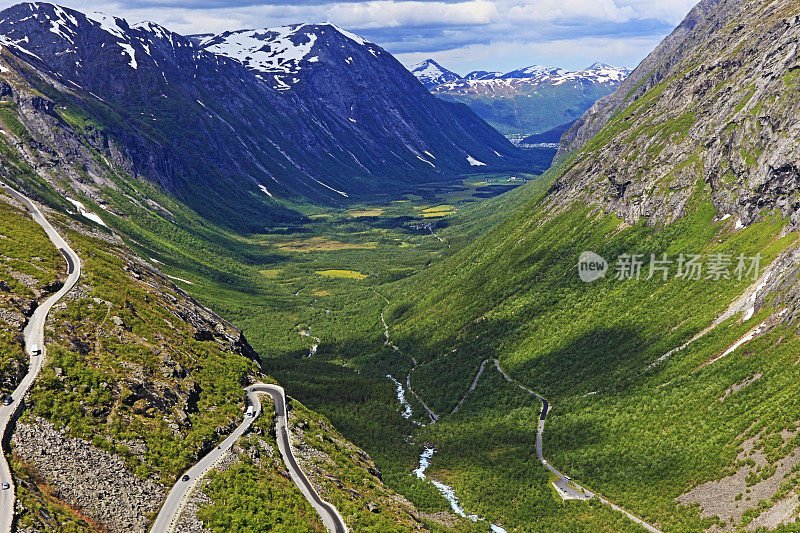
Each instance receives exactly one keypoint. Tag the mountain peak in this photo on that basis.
(431, 73)
(483, 75)
(534, 71)
(281, 52)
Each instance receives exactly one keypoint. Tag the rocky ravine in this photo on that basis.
(694, 29)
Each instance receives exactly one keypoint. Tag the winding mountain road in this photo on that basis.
(568, 489)
(176, 500)
(33, 336)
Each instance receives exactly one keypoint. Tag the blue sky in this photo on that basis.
(462, 35)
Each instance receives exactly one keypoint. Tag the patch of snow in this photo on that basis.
(16, 45)
(331, 188)
(265, 191)
(272, 50)
(110, 25)
(427, 70)
(739, 224)
(426, 161)
(726, 217)
(352, 36)
(85, 213)
(60, 26)
(176, 278)
(474, 162)
(128, 49)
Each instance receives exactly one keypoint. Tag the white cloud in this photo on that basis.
(391, 14)
(671, 11)
(550, 10)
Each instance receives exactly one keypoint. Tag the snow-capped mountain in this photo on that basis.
(40, 30)
(598, 73)
(439, 79)
(531, 99)
(309, 111)
(534, 71)
(280, 53)
(431, 73)
(482, 75)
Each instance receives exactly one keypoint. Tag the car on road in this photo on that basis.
(8, 400)
(251, 411)
(185, 478)
(5, 485)
(36, 350)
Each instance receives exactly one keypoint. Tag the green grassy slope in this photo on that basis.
(642, 436)
(128, 372)
(28, 268)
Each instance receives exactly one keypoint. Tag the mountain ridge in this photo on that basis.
(195, 122)
(532, 99)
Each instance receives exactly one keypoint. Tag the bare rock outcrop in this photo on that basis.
(713, 109)
(87, 478)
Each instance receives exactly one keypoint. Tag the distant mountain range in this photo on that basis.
(240, 120)
(528, 100)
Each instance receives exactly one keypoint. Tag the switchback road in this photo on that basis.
(33, 336)
(170, 512)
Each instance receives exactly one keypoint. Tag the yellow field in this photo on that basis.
(437, 211)
(368, 212)
(350, 274)
(318, 244)
(321, 215)
(444, 208)
(271, 272)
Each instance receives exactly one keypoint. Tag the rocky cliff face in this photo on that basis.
(323, 115)
(717, 102)
(694, 29)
